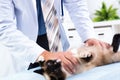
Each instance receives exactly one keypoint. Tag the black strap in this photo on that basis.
(62, 7)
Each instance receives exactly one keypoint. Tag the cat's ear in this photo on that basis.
(33, 65)
(39, 71)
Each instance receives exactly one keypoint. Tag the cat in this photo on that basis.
(88, 57)
(51, 69)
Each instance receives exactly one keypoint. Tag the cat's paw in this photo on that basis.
(82, 54)
(41, 58)
(85, 54)
(41, 61)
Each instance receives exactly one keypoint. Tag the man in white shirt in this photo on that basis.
(19, 30)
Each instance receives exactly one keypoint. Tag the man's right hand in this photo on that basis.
(68, 60)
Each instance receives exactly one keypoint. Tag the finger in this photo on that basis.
(74, 62)
(108, 45)
(68, 66)
(65, 62)
(104, 45)
(67, 69)
(71, 58)
(91, 43)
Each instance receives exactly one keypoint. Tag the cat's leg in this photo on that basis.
(116, 42)
(116, 57)
(81, 52)
(85, 55)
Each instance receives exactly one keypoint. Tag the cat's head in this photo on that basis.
(53, 66)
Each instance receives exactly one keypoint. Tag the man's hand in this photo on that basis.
(68, 60)
(92, 41)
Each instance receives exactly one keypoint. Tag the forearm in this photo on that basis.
(79, 14)
(21, 47)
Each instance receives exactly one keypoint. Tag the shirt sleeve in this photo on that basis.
(21, 49)
(80, 16)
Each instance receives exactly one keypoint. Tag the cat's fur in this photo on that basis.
(51, 69)
(88, 57)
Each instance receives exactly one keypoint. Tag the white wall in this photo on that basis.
(96, 4)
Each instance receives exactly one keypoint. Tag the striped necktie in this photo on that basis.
(52, 26)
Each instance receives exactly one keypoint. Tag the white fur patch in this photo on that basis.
(58, 60)
(41, 58)
(74, 52)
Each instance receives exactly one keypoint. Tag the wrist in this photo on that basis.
(43, 56)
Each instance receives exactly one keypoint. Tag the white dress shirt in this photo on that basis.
(34, 5)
